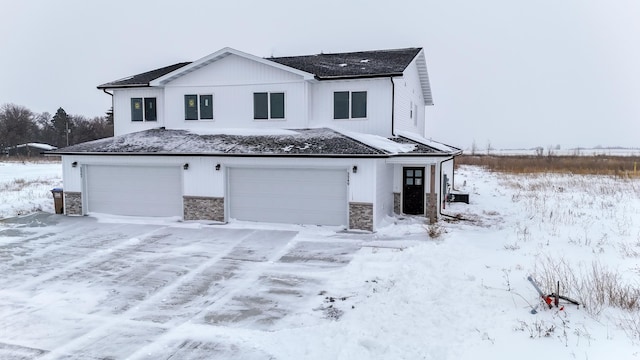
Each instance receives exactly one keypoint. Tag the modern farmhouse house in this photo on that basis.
(327, 139)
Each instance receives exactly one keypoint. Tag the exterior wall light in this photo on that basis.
(217, 167)
(185, 166)
(74, 164)
(355, 169)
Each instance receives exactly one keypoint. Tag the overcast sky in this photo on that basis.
(515, 74)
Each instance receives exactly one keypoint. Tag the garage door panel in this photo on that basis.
(317, 196)
(135, 191)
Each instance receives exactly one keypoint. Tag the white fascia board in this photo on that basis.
(222, 53)
(414, 160)
(421, 64)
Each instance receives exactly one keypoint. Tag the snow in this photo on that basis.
(378, 142)
(38, 145)
(145, 288)
(26, 187)
(420, 139)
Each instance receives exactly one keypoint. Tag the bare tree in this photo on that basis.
(17, 126)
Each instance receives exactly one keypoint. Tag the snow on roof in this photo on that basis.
(321, 141)
(379, 142)
(42, 146)
(431, 143)
(256, 142)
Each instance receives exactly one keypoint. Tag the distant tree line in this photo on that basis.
(19, 125)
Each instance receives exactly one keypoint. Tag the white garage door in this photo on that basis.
(134, 190)
(289, 196)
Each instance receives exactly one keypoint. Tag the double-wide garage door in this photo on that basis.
(293, 196)
(134, 190)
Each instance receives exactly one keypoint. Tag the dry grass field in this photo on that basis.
(622, 166)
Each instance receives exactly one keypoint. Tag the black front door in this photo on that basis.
(413, 190)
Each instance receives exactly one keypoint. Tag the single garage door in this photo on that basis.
(289, 196)
(134, 190)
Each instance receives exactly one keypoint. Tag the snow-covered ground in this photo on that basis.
(147, 289)
(26, 187)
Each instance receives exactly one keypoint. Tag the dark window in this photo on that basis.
(136, 109)
(260, 106)
(341, 105)
(150, 109)
(277, 105)
(359, 104)
(206, 107)
(191, 107)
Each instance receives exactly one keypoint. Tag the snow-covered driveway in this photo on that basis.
(78, 288)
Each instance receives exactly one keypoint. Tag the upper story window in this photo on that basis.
(268, 105)
(194, 109)
(349, 104)
(143, 109)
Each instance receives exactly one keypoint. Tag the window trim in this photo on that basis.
(350, 105)
(144, 111)
(198, 108)
(150, 110)
(269, 113)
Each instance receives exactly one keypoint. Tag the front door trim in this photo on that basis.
(413, 190)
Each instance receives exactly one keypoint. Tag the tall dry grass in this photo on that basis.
(622, 166)
(31, 159)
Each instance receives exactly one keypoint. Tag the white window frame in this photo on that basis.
(350, 105)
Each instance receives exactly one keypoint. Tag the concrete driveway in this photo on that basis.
(76, 288)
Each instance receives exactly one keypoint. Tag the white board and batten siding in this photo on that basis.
(384, 197)
(409, 111)
(232, 81)
(378, 120)
(122, 110)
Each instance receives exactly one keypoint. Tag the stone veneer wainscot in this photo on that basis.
(203, 208)
(361, 216)
(73, 203)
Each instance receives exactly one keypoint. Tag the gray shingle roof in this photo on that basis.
(142, 79)
(323, 66)
(181, 142)
(352, 64)
(303, 142)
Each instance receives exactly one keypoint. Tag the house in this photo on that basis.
(28, 149)
(327, 139)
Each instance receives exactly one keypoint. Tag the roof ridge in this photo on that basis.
(345, 53)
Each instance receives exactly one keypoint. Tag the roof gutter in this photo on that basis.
(103, 87)
(364, 76)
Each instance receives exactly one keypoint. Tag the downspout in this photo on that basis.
(393, 106)
(112, 113)
(110, 94)
(440, 192)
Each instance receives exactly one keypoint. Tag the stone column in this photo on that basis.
(397, 202)
(361, 216)
(432, 197)
(72, 203)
